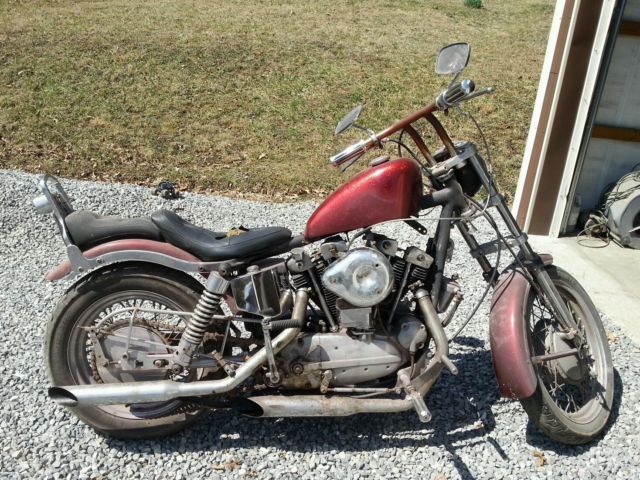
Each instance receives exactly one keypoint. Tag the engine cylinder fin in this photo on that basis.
(418, 273)
(300, 281)
(329, 297)
(398, 270)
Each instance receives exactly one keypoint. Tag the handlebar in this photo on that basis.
(351, 152)
(455, 94)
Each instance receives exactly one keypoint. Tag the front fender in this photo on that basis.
(133, 249)
(507, 330)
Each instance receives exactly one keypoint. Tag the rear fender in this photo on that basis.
(128, 250)
(509, 346)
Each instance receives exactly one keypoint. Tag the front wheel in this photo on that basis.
(574, 396)
(102, 302)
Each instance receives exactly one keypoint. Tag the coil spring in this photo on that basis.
(329, 297)
(208, 305)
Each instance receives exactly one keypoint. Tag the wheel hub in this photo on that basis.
(114, 362)
(571, 369)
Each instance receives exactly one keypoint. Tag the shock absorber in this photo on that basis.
(208, 305)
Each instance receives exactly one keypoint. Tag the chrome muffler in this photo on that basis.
(318, 406)
(163, 390)
(321, 406)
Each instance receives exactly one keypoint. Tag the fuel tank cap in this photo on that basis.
(379, 160)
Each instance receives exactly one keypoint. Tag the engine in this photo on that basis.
(351, 286)
(361, 328)
(356, 292)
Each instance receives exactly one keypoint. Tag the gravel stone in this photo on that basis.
(474, 433)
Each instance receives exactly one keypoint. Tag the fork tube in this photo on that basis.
(471, 241)
(442, 244)
(533, 263)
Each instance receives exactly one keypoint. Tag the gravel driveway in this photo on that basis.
(474, 433)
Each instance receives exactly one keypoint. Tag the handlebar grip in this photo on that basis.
(352, 151)
(455, 93)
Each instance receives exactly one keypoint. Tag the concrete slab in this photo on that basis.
(611, 276)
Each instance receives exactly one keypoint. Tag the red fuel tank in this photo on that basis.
(384, 192)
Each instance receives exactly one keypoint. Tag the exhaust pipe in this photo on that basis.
(317, 406)
(322, 406)
(275, 405)
(163, 390)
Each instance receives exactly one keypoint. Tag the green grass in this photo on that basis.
(242, 97)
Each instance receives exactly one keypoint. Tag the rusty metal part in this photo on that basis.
(157, 391)
(417, 139)
(442, 133)
(427, 113)
(554, 356)
(338, 406)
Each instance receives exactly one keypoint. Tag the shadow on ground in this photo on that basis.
(463, 416)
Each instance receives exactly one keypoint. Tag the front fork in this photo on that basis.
(530, 260)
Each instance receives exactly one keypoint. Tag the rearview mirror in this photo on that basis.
(453, 58)
(349, 119)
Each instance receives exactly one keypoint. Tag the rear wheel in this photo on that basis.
(71, 356)
(574, 396)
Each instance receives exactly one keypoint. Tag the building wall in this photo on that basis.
(579, 47)
(607, 159)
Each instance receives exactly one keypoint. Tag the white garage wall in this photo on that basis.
(608, 160)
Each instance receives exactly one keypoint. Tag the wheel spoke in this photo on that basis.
(570, 397)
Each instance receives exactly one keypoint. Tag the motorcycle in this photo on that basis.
(167, 319)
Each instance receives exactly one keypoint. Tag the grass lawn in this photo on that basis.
(242, 97)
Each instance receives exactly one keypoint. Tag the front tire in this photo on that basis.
(574, 396)
(67, 342)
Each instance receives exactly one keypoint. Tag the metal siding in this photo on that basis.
(607, 160)
(632, 10)
(620, 103)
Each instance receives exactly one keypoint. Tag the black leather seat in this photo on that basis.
(88, 229)
(214, 246)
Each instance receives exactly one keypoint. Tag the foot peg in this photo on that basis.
(419, 404)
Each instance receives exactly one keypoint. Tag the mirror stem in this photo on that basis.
(370, 132)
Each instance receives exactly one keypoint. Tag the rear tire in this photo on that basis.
(574, 397)
(64, 341)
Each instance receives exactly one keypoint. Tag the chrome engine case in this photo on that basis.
(351, 360)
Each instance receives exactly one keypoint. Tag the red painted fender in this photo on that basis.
(507, 330)
(164, 248)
